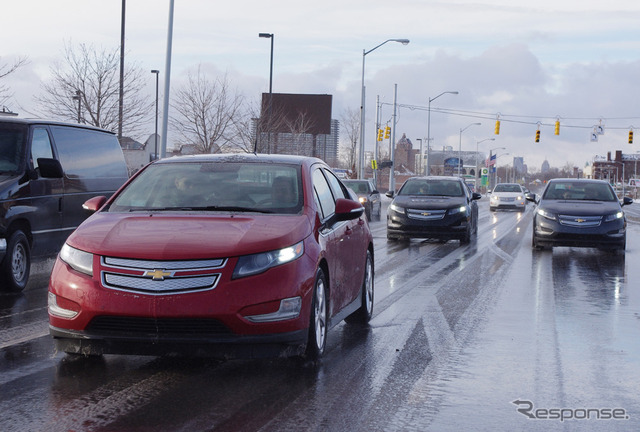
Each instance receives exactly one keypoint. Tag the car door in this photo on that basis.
(352, 247)
(46, 196)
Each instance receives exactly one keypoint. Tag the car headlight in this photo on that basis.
(396, 208)
(612, 217)
(461, 209)
(78, 260)
(545, 214)
(519, 197)
(253, 264)
(494, 198)
(362, 200)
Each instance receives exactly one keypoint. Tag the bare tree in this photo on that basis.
(93, 76)
(6, 70)
(208, 114)
(351, 130)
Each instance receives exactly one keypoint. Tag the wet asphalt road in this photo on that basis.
(486, 336)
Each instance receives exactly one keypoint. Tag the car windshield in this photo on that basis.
(12, 143)
(507, 188)
(358, 186)
(214, 186)
(579, 191)
(432, 188)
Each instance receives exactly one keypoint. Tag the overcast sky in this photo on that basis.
(576, 60)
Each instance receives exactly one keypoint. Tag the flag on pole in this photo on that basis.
(491, 161)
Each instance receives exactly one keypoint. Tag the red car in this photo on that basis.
(219, 255)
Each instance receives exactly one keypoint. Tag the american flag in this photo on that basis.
(491, 161)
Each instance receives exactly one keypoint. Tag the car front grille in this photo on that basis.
(580, 221)
(132, 326)
(426, 215)
(160, 277)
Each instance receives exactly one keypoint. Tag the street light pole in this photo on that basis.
(78, 97)
(460, 148)
(429, 132)
(269, 36)
(157, 73)
(361, 149)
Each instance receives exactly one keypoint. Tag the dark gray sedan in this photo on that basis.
(579, 212)
(368, 195)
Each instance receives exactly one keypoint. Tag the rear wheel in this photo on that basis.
(364, 313)
(14, 270)
(317, 339)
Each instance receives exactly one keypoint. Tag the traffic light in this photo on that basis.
(387, 132)
(497, 130)
(630, 137)
(380, 132)
(538, 135)
(557, 132)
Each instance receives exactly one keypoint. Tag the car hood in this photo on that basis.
(581, 208)
(193, 236)
(428, 202)
(508, 194)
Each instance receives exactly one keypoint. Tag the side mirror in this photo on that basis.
(626, 201)
(389, 194)
(531, 197)
(348, 209)
(50, 168)
(475, 196)
(94, 204)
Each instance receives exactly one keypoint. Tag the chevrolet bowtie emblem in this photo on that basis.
(426, 214)
(157, 275)
(580, 220)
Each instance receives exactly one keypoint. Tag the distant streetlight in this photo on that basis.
(269, 36)
(460, 147)
(361, 154)
(156, 72)
(78, 97)
(477, 166)
(429, 130)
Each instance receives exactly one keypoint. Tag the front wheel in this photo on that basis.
(14, 270)
(317, 338)
(364, 313)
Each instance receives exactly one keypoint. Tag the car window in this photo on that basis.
(40, 146)
(12, 141)
(224, 186)
(579, 191)
(433, 188)
(323, 191)
(339, 191)
(508, 188)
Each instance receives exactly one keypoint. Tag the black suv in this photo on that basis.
(48, 170)
(433, 207)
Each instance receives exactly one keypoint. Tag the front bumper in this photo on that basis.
(449, 227)
(552, 233)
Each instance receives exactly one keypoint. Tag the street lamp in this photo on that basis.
(78, 97)
(157, 73)
(269, 36)
(361, 155)
(429, 130)
(460, 147)
(495, 165)
(477, 167)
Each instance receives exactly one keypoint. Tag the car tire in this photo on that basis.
(466, 238)
(318, 319)
(364, 313)
(16, 265)
(379, 214)
(534, 243)
(492, 209)
(367, 213)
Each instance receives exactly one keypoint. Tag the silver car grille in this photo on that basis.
(160, 277)
(426, 215)
(580, 221)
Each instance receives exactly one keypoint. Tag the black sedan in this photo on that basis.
(579, 212)
(368, 195)
(433, 207)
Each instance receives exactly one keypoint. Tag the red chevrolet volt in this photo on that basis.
(231, 256)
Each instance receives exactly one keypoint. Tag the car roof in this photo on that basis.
(243, 158)
(39, 121)
(431, 178)
(577, 180)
